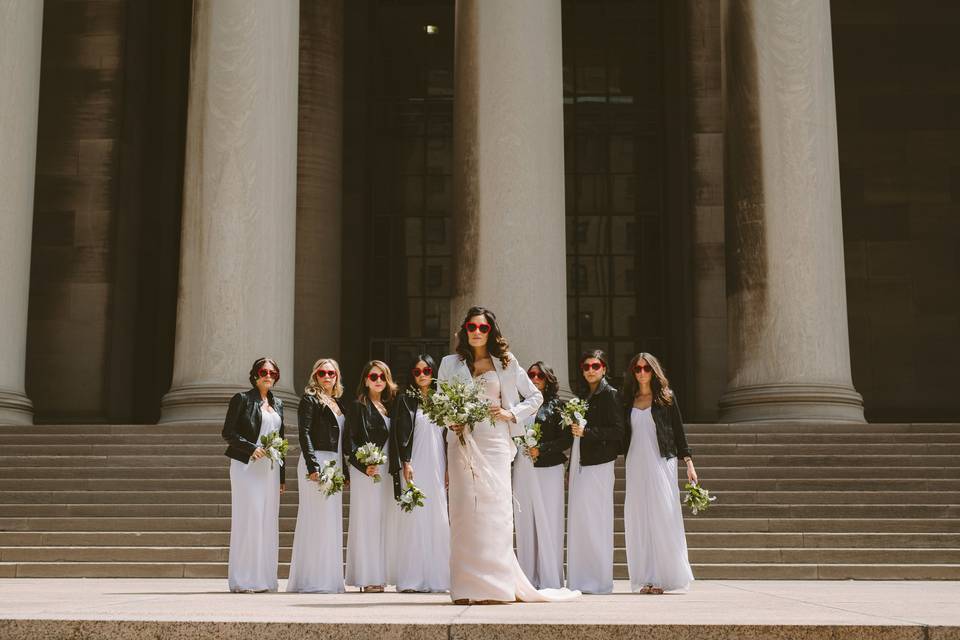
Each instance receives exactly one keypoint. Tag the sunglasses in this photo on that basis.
(373, 377)
(536, 375)
(473, 327)
(596, 366)
(265, 373)
(326, 373)
(417, 371)
(643, 367)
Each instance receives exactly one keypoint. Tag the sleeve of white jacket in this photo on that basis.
(532, 397)
(446, 366)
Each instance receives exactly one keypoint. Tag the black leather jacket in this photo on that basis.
(403, 419)
(364, 424)
(603, 434)
(555, 439)
(319, 429)
(671, 437)
(241, 428)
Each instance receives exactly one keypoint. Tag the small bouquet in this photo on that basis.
(275, 446)
(411, 498)
(457, 402)
(530, 439)
(331, 479)
(371, 455)
(698, 498)
(574, 412)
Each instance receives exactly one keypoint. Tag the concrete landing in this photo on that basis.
(198, 609)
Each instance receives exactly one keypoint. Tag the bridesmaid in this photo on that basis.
(652, 516)
(368, 421)
(317, 563)
(595, 449)
(421, 562)
(538, 487)
(255, 484)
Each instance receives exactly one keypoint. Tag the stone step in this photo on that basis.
(702, 571)
(704, 439)
(694, 540)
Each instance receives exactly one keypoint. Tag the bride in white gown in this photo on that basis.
(483, 566)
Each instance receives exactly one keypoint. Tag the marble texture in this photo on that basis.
(20, 38)
(788, 351)
(237, 254)
(508, 176)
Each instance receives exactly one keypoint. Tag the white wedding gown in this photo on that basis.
(483, 565)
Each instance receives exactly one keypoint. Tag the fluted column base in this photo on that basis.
(15, 407)
(792, 402)
(208, 403)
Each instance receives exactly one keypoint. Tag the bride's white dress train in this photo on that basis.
(483, 565)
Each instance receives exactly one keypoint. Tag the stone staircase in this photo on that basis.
(796, 501)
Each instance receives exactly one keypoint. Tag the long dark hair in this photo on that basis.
(497, 345)
(600, 355)
(411, 383)
(551, 388)
(659, 385)
(389, 392)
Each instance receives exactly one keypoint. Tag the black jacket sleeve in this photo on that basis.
(283, 467)
(356, 434)
(236, 442)
(561, 439)
(306, 411)
(679, 434)
(610, 417)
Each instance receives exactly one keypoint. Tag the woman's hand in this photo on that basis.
(499, 414)
(691, 471)
(408, 472)
(576, 430)
(534, 453)
(283, 489)
(258, 453)
(457, 428)
(371, 470)
(314, 476)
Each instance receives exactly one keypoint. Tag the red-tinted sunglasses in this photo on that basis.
(377, 376)
(326, 373)
(264, 373)
(642, 367)
(417, 371)
(596, 366)
(536, 375)
(473, 327)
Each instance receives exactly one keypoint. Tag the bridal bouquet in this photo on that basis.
(411, 498)
(698, 498)
(530, 439)
(371, 455)
(574, 412)
(275, 447)
(331, 479)
(457, 402)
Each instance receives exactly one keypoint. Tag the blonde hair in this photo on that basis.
(389, 393)
(314, 388)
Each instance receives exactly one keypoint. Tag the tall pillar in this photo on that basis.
(508, 173)
(236, 299)
(788, 346)
(319, 185)
(21, 35)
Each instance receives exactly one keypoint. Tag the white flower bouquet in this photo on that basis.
(457, 402)
(574, 411)
(331, 479)
(698, 498)
(275, 447)
(530, 439)
(411, 498)
(370, 455)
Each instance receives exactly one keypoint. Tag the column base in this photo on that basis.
(15, 407)
(792, 402)
(208, 403)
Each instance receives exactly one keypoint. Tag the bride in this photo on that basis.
(483, 566)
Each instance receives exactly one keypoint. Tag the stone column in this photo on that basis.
(319, 185)
(788, 346)
(237, 253)
(508, 174)
(21, 34)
